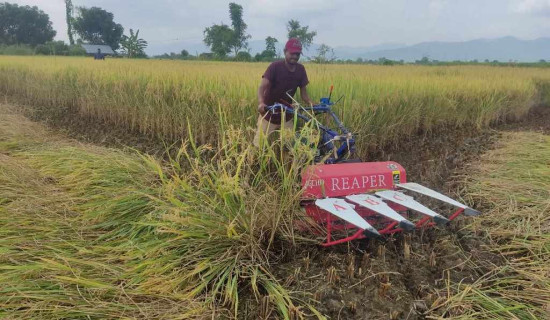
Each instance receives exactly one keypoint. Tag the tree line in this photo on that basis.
(22, 26)
(225, 39)
(29, 29)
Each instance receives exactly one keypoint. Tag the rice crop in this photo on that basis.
(159, 98)
(101, 233)
(512, 182)
(94, 232)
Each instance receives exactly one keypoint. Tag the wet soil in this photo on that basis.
(402, 278)
(407, 275)
(538, 119)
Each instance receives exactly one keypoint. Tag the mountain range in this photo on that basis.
(501, 49)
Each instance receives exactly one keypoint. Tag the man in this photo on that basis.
(281, 77)
(98, 55)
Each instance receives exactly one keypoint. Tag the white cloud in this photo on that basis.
(166, 23)
(435, 7)
(284, 7)
(531, 6)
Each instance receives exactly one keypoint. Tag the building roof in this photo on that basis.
(92, 48)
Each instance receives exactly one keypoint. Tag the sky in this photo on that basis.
(350, 23)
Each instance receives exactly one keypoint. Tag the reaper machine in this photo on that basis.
(354, 200)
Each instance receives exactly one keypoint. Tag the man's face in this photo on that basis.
(292, 58)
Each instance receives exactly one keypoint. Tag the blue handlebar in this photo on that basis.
(329, 135)
(319, 108)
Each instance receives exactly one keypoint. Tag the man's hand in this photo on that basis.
(261, 108)
(264, 85)
(305, 96)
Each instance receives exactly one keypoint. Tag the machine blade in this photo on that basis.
(379, 206)
(415, 187)
(344, 211)
(409, 202)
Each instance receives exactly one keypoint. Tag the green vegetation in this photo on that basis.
(16, 50)
(296, 30)
(69, 19)
(24, 25)
(133, 46)
(223, 39)
(97, 26)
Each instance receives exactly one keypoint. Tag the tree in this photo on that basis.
(219, 38)
(243, 56)
(55, 48)
(24, 25)
(222, 39)
(385, 62)
(76, 50)
(424, 60)
(69, 18)
(325, 54)
(270, 51)
(184, 53)
(133, 45)
(296, 31)
(42, 49)
(206, 56)
(240, 38)
(96, 26)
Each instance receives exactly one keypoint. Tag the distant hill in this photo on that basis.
(257, 46)
(501, 49)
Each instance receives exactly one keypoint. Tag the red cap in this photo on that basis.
(293, 45)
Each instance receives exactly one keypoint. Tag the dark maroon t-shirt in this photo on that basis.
(282, 81)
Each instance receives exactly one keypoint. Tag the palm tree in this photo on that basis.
(133, 45)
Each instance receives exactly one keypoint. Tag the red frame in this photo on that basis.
(322, 181)
(389, 229)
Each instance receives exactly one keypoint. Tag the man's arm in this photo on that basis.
(305, 96)
(264, 85)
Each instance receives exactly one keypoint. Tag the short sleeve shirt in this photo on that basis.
(282, 81)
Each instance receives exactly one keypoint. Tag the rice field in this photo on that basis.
(513, 183)
(91, 232)
(160, 98)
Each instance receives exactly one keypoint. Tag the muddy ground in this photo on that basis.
(403, 278)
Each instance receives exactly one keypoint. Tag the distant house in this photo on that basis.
(91, 49)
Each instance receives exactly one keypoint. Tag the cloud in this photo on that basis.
(537, 7)
(435, 7)
(170, 25)
(283, 7)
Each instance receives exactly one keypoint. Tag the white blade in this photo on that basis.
(344, 211)
(409, 202)
(415, 187)
(377, 205)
